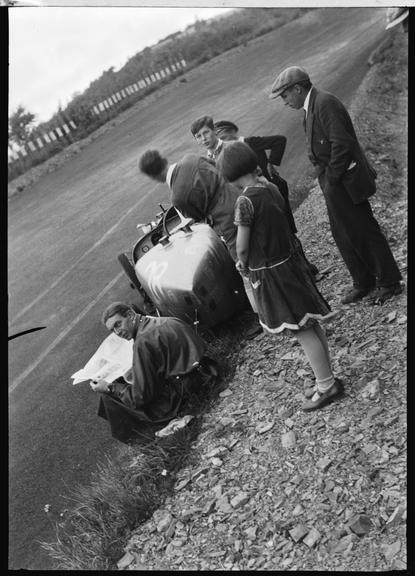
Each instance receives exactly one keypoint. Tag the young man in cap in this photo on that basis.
(347, 181)
(227, 131)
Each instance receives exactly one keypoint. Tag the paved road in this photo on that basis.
(66, 231)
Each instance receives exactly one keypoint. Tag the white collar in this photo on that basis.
(212, 153)
(306, 102)
(170, 173)
(219, 144)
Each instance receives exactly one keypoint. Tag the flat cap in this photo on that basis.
(225, 125)
(288, 77)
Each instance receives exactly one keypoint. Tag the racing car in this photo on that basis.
(182, 268)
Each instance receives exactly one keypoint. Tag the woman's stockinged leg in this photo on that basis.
(315, 347)
(323, 339)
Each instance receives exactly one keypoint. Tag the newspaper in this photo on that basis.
(114, 358)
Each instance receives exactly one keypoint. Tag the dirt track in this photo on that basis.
(65, 233)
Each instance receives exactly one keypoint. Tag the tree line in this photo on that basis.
(197, 44)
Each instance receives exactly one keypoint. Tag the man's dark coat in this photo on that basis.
(165, 352)
(332, 145)
(347, 181)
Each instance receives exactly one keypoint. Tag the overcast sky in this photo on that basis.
(54, 52)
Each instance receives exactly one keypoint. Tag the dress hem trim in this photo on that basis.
(299, 325)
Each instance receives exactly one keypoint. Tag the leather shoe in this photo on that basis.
(355, 294)
(324, 398)
(383, 293)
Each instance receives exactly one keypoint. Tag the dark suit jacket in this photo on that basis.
(260, 145)
(332, 145)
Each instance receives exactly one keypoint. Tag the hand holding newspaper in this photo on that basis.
(114, 358)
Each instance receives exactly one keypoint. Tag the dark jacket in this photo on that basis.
(166, 350)
(200, 192)
(276, 146)
(260, 145)
(332, 146)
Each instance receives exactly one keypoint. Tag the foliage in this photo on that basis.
(21, 125)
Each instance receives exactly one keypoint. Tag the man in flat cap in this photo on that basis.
(347, 181)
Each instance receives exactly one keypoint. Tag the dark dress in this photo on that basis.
(284, 289)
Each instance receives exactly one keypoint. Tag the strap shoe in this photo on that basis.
(324, 398)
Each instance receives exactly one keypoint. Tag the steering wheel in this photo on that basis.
(170, 214)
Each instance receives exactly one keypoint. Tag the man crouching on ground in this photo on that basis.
(168, 357)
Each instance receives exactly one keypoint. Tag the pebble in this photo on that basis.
(125, 561)
(343, 427)
(289, 423)
(371, 390)
(344, 544)
(323, 464)
(289, 439)
(217, 451)
(285, 412)
(397, 515)
(298, 510)
(239, 500)
(265, 428)
(390, 550)
(164, 521)
(312, 538)
(298, 532)
(360, 524)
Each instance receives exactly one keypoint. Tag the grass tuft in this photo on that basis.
(125, 492)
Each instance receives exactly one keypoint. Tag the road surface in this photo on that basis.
(66, 231)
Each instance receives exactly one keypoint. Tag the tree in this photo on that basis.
(21, 125)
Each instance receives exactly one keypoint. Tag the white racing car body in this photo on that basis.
(186, 271)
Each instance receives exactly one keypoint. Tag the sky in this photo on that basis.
(57, 51)
(59, 48)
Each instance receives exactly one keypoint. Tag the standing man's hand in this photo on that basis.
(100, 386)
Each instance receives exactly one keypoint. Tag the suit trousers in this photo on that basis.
(359, 238)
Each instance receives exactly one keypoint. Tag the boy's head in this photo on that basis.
(226, 130)
(235, 160)
(204, 132)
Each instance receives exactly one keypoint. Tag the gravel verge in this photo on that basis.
(269, 487)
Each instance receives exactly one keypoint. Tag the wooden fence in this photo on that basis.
(41, 146)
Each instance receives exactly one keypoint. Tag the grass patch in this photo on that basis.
(126, 491)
